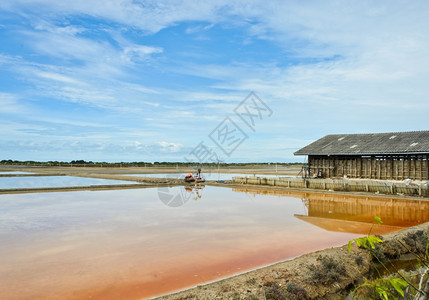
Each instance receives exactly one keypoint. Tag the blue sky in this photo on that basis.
(122, 80)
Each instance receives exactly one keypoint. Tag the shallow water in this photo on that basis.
(54, 181)
(13, 173)
(132, 244)
(207, 176)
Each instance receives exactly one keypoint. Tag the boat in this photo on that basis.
(194, 178)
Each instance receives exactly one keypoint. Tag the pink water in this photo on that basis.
(128, 244)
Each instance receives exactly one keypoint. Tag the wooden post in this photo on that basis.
(396, 164)
(359, 167)
(318, 165)
(349, 167)
(323, 167)
(388, 165)
(365, 168)
(370, 168)
(380, 167)
(409, 166)
(356, 168)
(427, 167)
(329, 167)
(346, 167)
(414, 168)
(334, 167)
(421, 167)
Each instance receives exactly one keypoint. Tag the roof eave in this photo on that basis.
(360, 154)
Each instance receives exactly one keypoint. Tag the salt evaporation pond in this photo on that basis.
(132, 244)
(14, 173)
(207, 176)
(30, 182)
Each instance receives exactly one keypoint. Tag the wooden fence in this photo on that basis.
(371, 186)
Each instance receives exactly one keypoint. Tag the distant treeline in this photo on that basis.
(83, 163)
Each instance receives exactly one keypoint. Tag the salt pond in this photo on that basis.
(29, 182)
(14, 173)
(207, 176)
(128, 244)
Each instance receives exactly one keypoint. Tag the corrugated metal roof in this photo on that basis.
(369, 144)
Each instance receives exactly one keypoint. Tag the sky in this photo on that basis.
(233, 81)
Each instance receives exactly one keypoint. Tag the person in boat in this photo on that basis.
(199, 173)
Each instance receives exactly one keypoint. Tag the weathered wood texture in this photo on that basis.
(396, 167)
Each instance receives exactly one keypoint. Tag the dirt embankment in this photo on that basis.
(326, 274)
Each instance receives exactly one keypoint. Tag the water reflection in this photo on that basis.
(179, 196)
(195, 192)
(355, 214)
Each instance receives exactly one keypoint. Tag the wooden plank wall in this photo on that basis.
(397, 167)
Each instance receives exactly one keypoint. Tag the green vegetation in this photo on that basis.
(400, 284)
(83, 163)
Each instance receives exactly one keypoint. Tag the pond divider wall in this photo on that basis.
(370, 186)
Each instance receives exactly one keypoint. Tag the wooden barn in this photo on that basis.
(397, 155)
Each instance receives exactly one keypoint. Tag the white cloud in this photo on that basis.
(43, 25)
(9, 103)
(169, 147)
(139, 52)
(82, 85)
(198, 29)
(150, 15)
(99, 57)
(58, 77)
(361, 35)
(56, 43)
